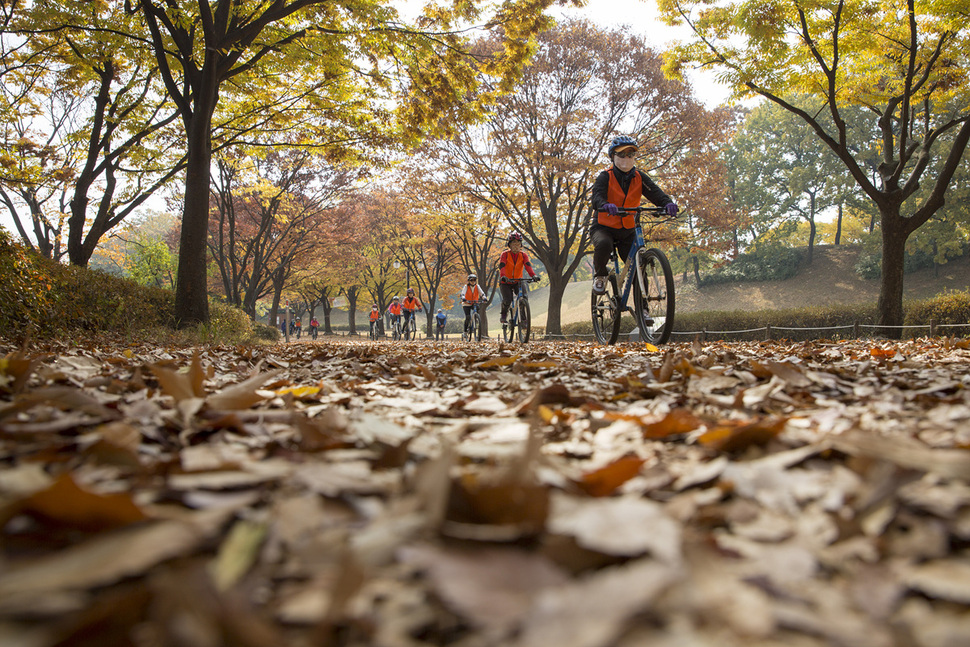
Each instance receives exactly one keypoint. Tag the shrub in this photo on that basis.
(23, 286)
(951, 307)
(265, 332)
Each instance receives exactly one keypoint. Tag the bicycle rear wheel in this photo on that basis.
(525, 320)
(605, 311)
(653, 296)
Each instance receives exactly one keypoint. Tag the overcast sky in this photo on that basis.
(641, 17)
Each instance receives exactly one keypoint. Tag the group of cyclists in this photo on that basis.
(616, 195)
(513, 263)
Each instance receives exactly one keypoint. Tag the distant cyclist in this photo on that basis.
(511, 265)
(621, 186)
(375, 317)
(470, 295)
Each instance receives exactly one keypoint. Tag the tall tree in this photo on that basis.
(81, 85)
(337, 61)
(537, 156)
(905, 62)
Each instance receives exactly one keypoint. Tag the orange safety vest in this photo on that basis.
(630, 200)
(395, 309)
(375, 315)
(471, 293)
(514, 264)
(411, 303)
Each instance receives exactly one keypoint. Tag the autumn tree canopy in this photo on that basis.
(344, 77)
(906, 63)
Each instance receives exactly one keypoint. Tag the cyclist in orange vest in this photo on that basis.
(511, 264)
(622, 186)
(375, 316)
(470, 294)
(395, 309)
(410, 304)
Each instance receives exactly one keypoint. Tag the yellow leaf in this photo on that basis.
(545, 364)
(650, 347)
(299, 391)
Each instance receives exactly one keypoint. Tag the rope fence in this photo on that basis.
(855, 330)
(777, 332)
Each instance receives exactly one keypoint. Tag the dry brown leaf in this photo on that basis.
(605, 480)
(733, 438)
(65, 503)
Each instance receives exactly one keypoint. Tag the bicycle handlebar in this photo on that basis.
(654, 211)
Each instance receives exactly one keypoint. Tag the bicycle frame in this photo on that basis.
(630, 269)
(521, 296)
(474, 312)
(520, 293)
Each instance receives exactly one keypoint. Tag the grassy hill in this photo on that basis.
(829, 280)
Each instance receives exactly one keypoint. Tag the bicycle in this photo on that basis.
(411, 327)
(652, 285)
(520, 314)
(396, 331)
(474, 331)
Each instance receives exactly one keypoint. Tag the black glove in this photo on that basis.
(535, 279)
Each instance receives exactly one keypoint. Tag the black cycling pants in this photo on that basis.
(604, 238)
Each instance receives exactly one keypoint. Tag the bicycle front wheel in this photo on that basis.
(525, 320)
(474, 327)
(605, 311)
(653, 296)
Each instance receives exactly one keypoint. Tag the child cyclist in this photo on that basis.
(394, 310)
(622, 186)
(511, 265)
(409, 305)
(375, 317)
(470, 295)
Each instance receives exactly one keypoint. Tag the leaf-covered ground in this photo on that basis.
(556, 494)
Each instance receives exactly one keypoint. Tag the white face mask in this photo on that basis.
(625, 164)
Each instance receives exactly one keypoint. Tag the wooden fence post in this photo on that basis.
(855, 330)
(767, 332)
(932, 327)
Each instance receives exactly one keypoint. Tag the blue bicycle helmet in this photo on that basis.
(620, 142)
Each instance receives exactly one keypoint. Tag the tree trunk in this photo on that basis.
(352, 295)
(891, 286)
(697, 270)
(191, 288)
(838, 227)
(554, 315)
(327, 309)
